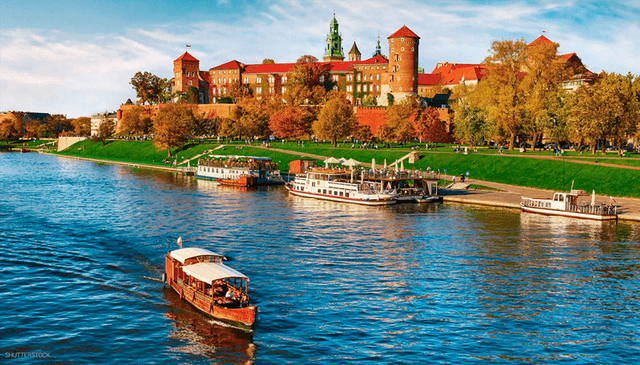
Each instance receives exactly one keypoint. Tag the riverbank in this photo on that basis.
(505, 195)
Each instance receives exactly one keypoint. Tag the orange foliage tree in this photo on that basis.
(290, 122)
(430, 128)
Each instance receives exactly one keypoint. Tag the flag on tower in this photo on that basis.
(180, 241)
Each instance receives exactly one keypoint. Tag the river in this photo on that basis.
(83, 248)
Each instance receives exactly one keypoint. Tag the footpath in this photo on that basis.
(509, 196)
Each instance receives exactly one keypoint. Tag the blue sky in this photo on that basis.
(77, 57)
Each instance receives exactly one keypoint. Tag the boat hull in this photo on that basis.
(240, 317)
(367, 201)
(565, 213)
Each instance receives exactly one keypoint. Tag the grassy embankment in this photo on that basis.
(553, 174)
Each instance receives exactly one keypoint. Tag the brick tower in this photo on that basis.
(402, 74)
(185, 72)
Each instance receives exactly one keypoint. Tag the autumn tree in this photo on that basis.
(607, 110)
(149, 87)
(173, 125)
(136, 121)
(308, 82)
(106, 129)
(290, 122)
(500, 94)
(362, 132)
(541, 85)
(10, 127)
(81, 126)
(336, 119)
(400, 119)
(251, 117)
(430, 128)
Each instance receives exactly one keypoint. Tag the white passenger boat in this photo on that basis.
(339, 185)
(566, 204)
(239, 170)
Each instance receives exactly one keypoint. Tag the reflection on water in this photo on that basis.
(334, 282)
(203, 336)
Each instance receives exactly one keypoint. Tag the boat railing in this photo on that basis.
(391, 174)
(597, 209)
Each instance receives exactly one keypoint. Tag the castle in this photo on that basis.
(375, 77)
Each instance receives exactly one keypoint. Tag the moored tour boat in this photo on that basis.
(239, 171)
(199, 277)
(411, 186)
(566, 204)
(339, 185)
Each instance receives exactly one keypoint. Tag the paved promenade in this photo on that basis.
(510, 197)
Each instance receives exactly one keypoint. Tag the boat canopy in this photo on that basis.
(184, 254)
(210, 272)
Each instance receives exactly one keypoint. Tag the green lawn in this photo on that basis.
(552, 174)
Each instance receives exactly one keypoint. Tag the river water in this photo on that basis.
(83, 248)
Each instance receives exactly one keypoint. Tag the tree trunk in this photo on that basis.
(512, 141)
(535, 140)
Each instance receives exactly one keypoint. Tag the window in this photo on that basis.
(335, 78)
(358, 77)
(401, 39)
(224, 81)
(358, 88)
(271, 79)
(349, 88)
(284, 89)
(272, 90)
(377, 87)
(284, 78)
(377, 76)
(402, 49)
(412, 49)
(246, 80)
(258, 90)
(258, 79)
(349, 77)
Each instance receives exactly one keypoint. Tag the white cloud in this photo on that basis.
(58, 72)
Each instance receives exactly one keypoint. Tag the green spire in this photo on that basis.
(333, 51)
(378, 51)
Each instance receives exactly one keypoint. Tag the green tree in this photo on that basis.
(149, 87)
(173, 125)
(470, 124)
(336, 119)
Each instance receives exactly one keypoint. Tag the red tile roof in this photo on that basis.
(452, 74)
(428, 79)
(231, 64)
(540, 40)
(403, 32)
(186, 57)
(269, 68)
(566, 57)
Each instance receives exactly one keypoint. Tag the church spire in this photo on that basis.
(333, 51)
(378, 51)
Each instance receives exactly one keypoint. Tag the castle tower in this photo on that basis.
(354, 53)
(402, 74)
(333, 51)
(185, 72)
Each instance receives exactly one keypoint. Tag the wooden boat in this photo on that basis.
(199, 277)
(339, 185)
(566, 204)
(239, 170)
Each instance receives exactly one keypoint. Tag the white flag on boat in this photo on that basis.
(180, 241)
